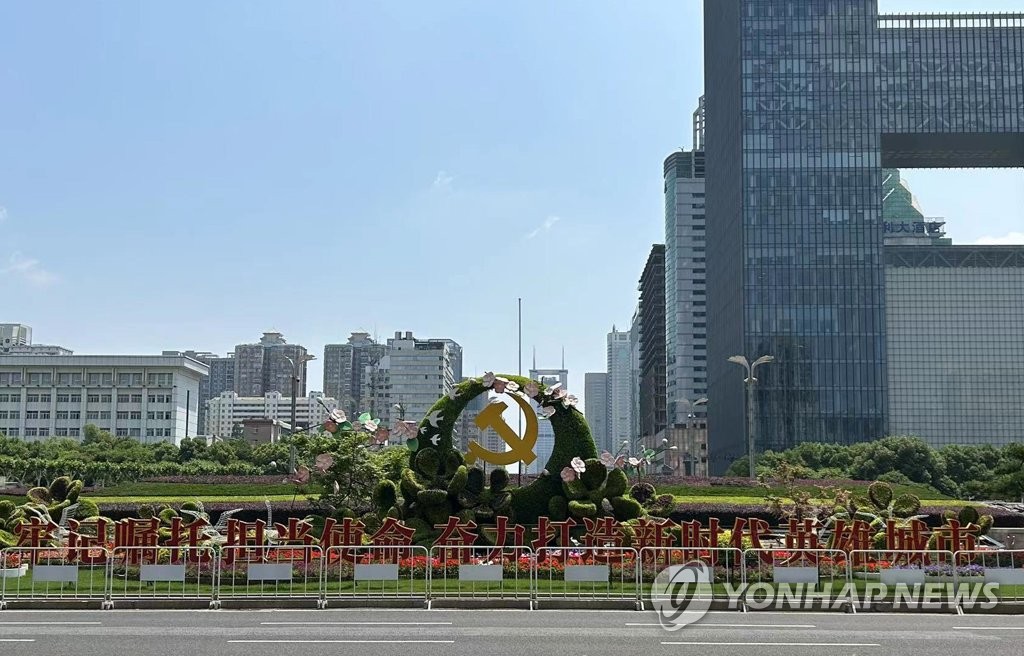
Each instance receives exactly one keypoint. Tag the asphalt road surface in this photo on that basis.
(486, 632)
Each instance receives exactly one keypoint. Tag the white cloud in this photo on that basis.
(1009, 239)
(28, 269)
(443, 180)
(544, 227)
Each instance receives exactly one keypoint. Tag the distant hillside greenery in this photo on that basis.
(963, 472)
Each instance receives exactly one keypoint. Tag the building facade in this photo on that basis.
(267, 366)
(221, 377)
(955, 343)
(807, 102)
(620, 388)
(686, 320)
(595, 401)
(345, 370)
(545, 433)
(413, 374)
(228, 410)
(652, 387)
(149, 398)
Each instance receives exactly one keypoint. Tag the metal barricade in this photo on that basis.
(899, 576)
(268, 572)
(788, 578)
(719, 570)
(373, 572)
(466, 572)
(162, 573)
(587, 574)
(48, 573)
(974, 570)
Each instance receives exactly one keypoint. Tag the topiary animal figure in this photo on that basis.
(592, 490)
(61, 493)
(11, 516)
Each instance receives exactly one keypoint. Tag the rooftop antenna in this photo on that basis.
(563, 356)
(535, 357)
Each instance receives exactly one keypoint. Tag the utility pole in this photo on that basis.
(750, 381)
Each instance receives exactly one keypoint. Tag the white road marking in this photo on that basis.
(17, 640)
(356, 623)
(703, 625)
(43, 623)
(781, 644)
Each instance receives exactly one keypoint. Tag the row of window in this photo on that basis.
(75, 379)
(91, 398)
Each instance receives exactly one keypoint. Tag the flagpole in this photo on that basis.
(519, 474)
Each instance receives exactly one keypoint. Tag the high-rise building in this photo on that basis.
(545, 433)
(14, 334)
(267, 366)
(468, 430)
(413, 374)
(686, 321)
(652, 386)
(595, 399)
(221, 377)
(345, 370)
(634, 364)
(620, 388)
(807, 103)
(152, 398)
(227, 411)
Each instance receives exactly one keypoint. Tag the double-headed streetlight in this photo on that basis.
(750, 380)
(295, 362)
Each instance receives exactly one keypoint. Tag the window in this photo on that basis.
(75, 414)
(44, 414)
(45, 398)
(92, 414)
(4, 398)
(136, 398)
(3, 414)
(105, 415)
(101, 379)
(135, 415)
(32, 414)
(40, 378)
(31, 432)
(12, 378)
(61, 432)
(76, 398)
(32, 398)
(150, 432)
(122, 415)
(106, 398)
(74, 432)
(123, 398)
(63, 398)
(93, 398)
(129, 380)
(159, 380)
(13, 432)
(122, 432)
(134, 432)
(62, 415)
(69, 379)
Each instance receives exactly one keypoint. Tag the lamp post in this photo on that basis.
(750, 381)
(295, 380)
(691, 421)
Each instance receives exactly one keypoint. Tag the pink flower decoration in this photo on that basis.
(607, 459)
(557, 392)
(620, 462)
(488, 379)
(568, 474)
(532, 389)
(547, 411)
(330, 427)
(500, 384)
(380, 436)
(323, 462)
(578, 465)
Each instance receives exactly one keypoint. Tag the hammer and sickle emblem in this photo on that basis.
(521, 447)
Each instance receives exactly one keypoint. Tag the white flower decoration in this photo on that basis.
(500, 384)
(488, 378)
(370, 425)
(512, 386)
(557, 392)
(607, 459)
(569, 401)
(634, 462)
(578, 465)
(338, 416)
(532, 389)
(545, 473)
(547, 411)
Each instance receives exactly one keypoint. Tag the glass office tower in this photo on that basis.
(807, 101)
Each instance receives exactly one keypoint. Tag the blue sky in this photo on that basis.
(189, 174)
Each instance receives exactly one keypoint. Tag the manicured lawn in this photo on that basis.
(711, 493)
(202, 491)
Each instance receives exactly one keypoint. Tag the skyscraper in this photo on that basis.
(545, 434)
(620, 388)
(595, 399)
(345, 370)
(807, 102)
(221, 378)
(264, 367)
(414, 374)
(652, 343)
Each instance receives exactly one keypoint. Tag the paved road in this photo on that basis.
(482, 633)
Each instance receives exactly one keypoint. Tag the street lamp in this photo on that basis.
(750, 380)
(295, 380)
(691, 422)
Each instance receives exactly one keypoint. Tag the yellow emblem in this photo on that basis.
(521, 447)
